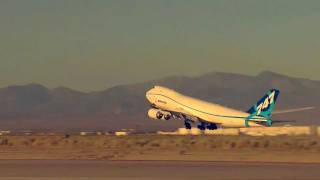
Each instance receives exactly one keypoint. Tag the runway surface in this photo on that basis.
(152, 170)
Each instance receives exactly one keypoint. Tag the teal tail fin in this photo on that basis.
(265, 106)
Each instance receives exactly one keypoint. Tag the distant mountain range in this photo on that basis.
(36, 107)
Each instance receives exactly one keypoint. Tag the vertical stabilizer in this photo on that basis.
(265, 106)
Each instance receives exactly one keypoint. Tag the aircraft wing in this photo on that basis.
(183, 114)
(194, 116)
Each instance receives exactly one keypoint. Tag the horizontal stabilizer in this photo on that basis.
(294, 110)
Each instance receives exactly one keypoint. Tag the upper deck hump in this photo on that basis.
(165, 91)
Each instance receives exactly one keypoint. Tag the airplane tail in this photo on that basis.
(265, 106)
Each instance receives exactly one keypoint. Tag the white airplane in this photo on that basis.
(168, 104)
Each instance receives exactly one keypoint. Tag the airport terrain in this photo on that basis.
(153, 170)
(300, 149)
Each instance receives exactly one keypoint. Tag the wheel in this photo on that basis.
(201, 127)
(187, 125)
(212, 126)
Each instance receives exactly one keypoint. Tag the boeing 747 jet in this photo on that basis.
(168, 104)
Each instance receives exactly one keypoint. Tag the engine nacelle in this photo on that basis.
(159, 114)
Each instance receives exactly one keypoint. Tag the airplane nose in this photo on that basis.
(149, 97)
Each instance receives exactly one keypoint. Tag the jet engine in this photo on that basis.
(159, 114)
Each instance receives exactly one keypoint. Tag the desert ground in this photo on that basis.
(295, 149)
(152, 170)
(156, 157)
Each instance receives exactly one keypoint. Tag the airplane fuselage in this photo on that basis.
(172, 101)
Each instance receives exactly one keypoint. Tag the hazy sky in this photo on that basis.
(92, 45)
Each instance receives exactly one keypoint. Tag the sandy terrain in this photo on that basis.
(184, 148)
(151, 170)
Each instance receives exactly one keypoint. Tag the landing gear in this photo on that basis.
(212, 126)
(187, 121)
(187, 125)
(202, 126)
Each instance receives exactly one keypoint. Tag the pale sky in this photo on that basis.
(96, 44)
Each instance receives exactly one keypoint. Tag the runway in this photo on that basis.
(151, 170)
